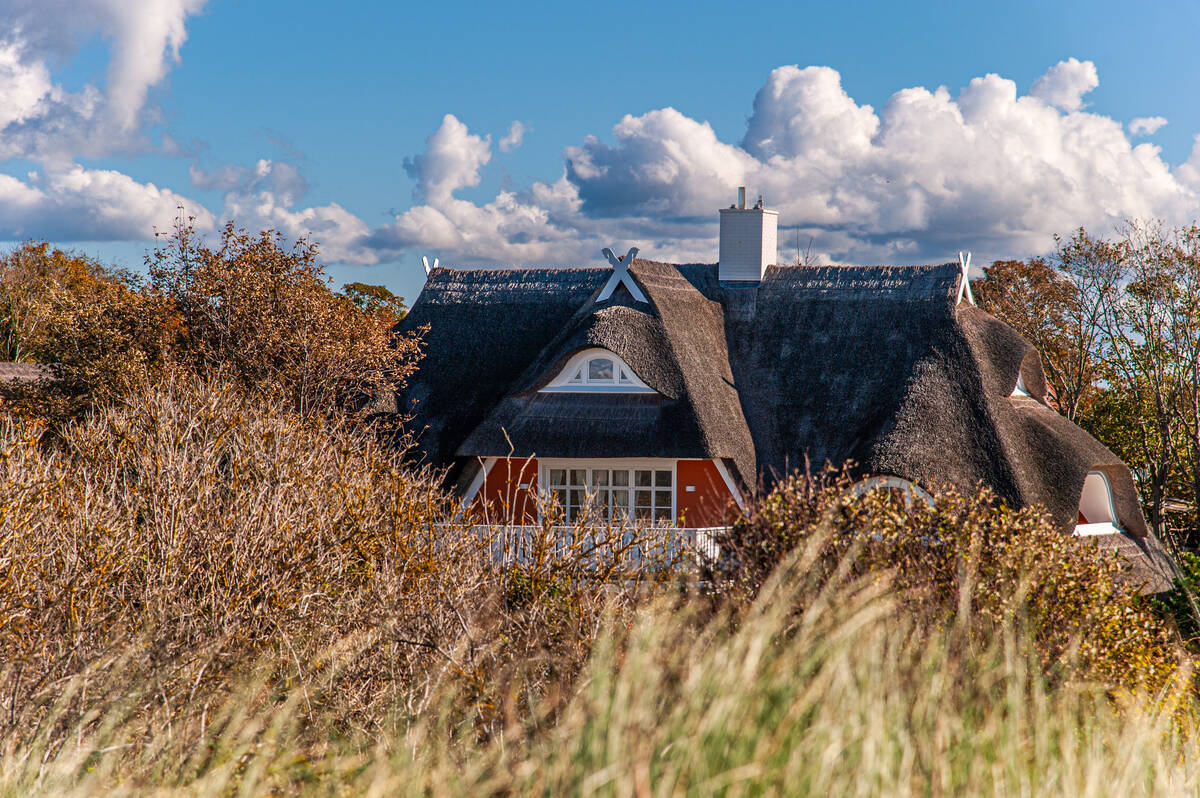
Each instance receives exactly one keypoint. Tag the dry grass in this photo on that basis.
(193, 537)
(203, 594)
(853, 695)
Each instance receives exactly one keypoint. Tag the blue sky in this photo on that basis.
(386, 129)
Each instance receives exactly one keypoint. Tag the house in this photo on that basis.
(664, 392)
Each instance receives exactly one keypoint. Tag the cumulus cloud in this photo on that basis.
(47, 121)
(1146, 125)
(662, 163)
(89, 205)
(514, 137)
(43, 122)
(281, 179)
(927, 174)
(1065, 83)
(452, 161)
(338, 231)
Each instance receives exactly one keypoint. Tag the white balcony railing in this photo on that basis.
(633, 547)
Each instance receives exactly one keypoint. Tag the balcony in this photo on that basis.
(619, 548)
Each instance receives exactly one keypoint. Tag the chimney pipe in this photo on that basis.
(742, 197)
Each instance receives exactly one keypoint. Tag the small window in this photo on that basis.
(1097, 515)
(597, 370)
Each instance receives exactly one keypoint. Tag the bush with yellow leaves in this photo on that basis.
(963, 560)
(247, 307)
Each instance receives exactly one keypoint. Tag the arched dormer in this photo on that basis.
(1097, 512)
(597, 370)
(909, 491)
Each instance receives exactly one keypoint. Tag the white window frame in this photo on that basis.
(575, 377)
(545, 466)
(911, 491)
(1108, 526)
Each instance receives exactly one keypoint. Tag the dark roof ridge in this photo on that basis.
(515, 268)
(939, 282)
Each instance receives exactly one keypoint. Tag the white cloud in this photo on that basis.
(43, 120)
(78, 204)
(22, 87)
(514, 137)
(339, 232)
(147, 37)
(806, 111)
(1189, 171)
(663, 164)
(451, 162)
(280, 178)
(264, 197)
(1065, 83)
(1146, 125)
(928, 174)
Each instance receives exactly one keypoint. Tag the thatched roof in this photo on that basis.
(814, 365)
(485, 327)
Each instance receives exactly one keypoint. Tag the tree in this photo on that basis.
(1150, 298)
(1054, 313)
(265, 314)
(1117, 323)
(101, 335)
(248, 308)
(375, 299)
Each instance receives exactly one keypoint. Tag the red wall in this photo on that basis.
(502, 500)
(709, 503)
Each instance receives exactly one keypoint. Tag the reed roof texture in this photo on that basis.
(873, 365)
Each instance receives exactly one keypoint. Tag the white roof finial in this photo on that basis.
(425, 263)
(620, 275)
(964, 285)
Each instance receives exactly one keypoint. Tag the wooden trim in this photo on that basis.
(477, 483)
(729, 483)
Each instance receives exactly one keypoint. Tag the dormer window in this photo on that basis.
(1097, 512)
(597, 370)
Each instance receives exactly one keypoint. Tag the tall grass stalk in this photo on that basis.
(852, 695)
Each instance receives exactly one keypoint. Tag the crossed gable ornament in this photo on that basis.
(620, 276)
(964, 285)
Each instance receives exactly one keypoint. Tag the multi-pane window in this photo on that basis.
(614, 494)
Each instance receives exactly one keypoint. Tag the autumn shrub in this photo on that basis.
(1180, 603)
(247, 307)
(101, 334)
(265, 315)
(197, 532)
(963, 560)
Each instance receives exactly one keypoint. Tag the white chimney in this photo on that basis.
(749, 240)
